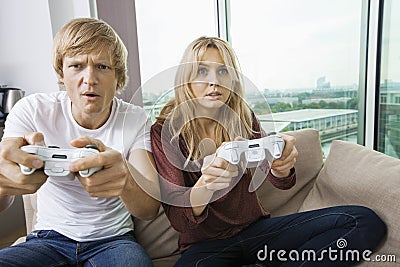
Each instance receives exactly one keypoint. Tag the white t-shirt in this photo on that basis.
(63, 205)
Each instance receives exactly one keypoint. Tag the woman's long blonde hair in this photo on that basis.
(234, 118)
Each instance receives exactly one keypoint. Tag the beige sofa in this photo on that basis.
(351, 174)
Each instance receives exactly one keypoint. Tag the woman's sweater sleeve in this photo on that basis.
(175, 194)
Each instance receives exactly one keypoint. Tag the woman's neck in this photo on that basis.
(206, 131)
(206, 128)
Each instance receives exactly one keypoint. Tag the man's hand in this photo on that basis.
(281, 167)
(12, 181)
(135, 182)
(108, 182)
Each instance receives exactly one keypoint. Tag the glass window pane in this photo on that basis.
(304, 56)
(389, 101)
(165, 28)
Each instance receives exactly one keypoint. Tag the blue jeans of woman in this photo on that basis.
(49, 248)
(336, 236)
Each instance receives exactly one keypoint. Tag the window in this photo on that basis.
(307, 58)
(388, 135)
(165, 28)
(304, 53)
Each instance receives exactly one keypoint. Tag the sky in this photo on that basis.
(281, 44)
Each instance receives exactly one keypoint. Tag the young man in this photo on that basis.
(82, 221)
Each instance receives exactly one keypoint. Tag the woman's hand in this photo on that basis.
(281, 167)
(217, 173)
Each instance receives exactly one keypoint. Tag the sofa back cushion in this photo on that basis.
(309, 163)
(157, 236)
(354, 174)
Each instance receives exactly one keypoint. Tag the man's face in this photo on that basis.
(90, 82)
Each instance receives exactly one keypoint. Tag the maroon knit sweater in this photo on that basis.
(234, 208)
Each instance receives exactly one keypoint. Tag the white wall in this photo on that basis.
(26, 37)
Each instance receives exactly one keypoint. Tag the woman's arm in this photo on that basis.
(175, 195)
(186, 193)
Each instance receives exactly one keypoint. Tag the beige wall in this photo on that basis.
(123, 19)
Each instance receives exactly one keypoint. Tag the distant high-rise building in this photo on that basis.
(322, 83)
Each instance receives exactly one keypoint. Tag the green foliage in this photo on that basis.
(263, 107)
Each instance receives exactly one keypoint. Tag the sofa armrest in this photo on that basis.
(356, 175)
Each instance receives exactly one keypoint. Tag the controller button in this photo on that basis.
(255, 154)
(53, 147)
(228, 146)
(271, 133)
(57, 170)
(57, 156)
(235, 144)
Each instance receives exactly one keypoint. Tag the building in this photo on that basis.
(389, 120)
(331, 123)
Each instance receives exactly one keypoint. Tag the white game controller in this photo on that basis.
(252, 151)
(57, 161)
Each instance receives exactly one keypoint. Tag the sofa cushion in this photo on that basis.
(354, 174)
(309, 163)
(158, 237)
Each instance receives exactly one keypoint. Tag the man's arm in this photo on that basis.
(142, 192)
(134, 180)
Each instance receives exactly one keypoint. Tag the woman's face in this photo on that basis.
(212, 85)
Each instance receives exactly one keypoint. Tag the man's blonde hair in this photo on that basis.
(89, 35)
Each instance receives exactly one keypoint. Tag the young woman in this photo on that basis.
(210, 202)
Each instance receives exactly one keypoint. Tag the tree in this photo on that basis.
(281, 107)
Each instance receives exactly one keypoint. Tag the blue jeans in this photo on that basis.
(49, 248)
(312, 238)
